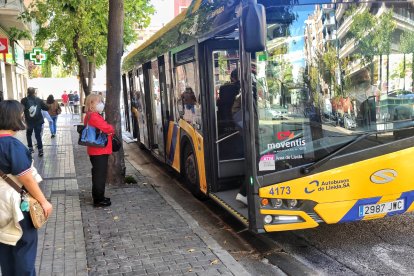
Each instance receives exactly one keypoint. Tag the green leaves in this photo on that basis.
(372, 34)
(66, 24)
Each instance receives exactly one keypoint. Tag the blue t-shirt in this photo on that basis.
(15, 158)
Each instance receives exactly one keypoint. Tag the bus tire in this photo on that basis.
(191, 173)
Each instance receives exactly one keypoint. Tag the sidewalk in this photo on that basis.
(143, 233)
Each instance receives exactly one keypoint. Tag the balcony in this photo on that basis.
(9, 12)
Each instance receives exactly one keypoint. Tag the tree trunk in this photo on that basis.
(116, 164)
(412, 71)
(404, 73)
(388, 73)
(91, 71)
(380, 73)
(83, 65)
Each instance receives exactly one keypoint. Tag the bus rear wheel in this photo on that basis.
(191, 174)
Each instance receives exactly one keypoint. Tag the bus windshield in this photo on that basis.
(331, 72)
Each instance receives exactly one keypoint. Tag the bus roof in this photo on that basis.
(195, 4)
(201, 17)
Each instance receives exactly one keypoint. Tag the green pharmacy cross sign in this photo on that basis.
(37, 56)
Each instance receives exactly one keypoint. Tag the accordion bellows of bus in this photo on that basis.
(289, 114)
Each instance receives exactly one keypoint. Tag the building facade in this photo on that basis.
(166, 10)
(13, 67)
(180, 6)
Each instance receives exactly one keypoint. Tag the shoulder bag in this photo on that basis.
(92, 137)
(116, 143)
(35, 209)
(58, 109)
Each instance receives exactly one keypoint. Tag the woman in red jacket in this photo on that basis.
(98, 156)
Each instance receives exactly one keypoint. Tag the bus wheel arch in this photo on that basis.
(189, 168)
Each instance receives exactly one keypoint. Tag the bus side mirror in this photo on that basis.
(254, 28)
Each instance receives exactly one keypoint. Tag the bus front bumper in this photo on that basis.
(310, 214)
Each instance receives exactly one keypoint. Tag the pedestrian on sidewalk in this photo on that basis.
(18, 237)
(98, 156)
(76, 102)
(34, 119)
(54, 111)
(49, 120)
(65, 101)
(71, 101)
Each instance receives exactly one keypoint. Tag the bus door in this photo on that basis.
(125, 91)
(141, 108)
(163, 106)
(127, 103)
(156, 110)
(224, 71)
(148, 105)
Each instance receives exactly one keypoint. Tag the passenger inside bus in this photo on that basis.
(366, 97)
(238, 120)
(188, 100)
(227, 95)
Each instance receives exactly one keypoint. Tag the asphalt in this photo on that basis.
(144, 232)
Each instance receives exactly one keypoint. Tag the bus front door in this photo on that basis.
(224, 70)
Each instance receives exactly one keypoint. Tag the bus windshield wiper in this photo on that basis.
(320, 162)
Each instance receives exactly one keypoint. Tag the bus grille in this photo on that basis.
(315, 217)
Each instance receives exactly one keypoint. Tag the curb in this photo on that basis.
(235, 267)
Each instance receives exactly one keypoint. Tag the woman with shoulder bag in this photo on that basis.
(98, 155)
(54, 111)
(18, 236)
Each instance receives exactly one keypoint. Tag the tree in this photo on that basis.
(113, 79)
(372, 36)
(75, 32)
(407, 47)
(329, 66)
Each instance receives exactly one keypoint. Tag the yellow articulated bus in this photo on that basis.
(289, 113)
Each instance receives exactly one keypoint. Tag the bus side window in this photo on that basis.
(187, 94)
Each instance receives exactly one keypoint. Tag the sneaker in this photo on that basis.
(40, 152)
(53, 136)
(103, 203)
(31, 150)
(241, 198)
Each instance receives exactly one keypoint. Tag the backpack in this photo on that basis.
(33, 111)
(32, 107)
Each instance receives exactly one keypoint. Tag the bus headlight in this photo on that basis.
(268, 219)
(292, 203)
(287, 219)
(277, 202)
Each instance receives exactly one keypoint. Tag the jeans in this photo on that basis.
(99, 171)
(38, 134)
(52, 125)
(20, 260)
(190, 107)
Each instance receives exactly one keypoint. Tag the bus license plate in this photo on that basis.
(381, 208)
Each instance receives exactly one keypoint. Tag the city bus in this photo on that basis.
(304, 106)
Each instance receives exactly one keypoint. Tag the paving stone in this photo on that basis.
(140, 234)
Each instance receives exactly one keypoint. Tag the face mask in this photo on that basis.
(100, 107)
